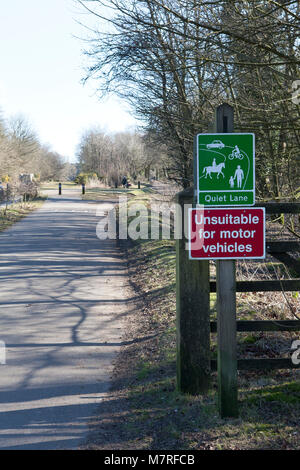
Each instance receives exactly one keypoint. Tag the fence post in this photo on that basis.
(192, 310)
(226, 308)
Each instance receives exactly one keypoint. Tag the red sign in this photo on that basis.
(235, 233)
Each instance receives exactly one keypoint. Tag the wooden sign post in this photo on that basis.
(226, 308)
(192, 310)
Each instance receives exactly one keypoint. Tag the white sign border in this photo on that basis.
(225, 257)
(226, 190)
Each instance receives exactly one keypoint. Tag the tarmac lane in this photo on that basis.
(63, 297)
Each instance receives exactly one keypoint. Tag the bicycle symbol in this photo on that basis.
(235, 154)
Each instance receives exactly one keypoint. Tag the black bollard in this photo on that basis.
(139, 185)
(59, 189)
(83, 188)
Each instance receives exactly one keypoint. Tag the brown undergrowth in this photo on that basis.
(145, 411)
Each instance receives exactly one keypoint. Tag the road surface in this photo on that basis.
(63, 297)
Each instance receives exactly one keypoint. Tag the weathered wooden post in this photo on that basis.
(226, 308)
(192, 305)
(59, 189)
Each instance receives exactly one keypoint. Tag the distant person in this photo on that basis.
(124, 182)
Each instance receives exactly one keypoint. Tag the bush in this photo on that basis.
(5, 178)
(28, 191)
(83, 178)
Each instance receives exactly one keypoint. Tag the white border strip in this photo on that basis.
(198, 174)
(207, 258)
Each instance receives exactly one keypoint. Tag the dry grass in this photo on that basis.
(12, 214)
(54, 185)
(105, 193)
(145, 411)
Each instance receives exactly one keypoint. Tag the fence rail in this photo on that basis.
(288, 285)
(260, 364)
(280, 207)
(262, 325)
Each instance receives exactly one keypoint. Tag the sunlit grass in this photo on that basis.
(103, 193)
(165, 418)
(13, 213)
(54, 185)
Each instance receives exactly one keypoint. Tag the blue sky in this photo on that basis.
(40, 71)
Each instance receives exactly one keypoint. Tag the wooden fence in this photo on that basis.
(193, 288)
(193, 323)
(280, 250)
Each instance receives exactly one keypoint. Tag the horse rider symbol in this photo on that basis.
(214, 168)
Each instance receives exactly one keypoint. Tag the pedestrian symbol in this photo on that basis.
(225, 173)
(239, 175)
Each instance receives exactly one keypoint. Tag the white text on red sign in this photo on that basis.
(227, 233)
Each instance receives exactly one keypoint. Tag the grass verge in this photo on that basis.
(144, 409)
(15, 212)
(104, 193)
(54, 185)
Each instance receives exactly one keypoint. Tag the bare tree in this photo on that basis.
(24, 146)
(112, 156)
(176, 60)
(22, 153)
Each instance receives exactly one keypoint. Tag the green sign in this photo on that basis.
(226, 169)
